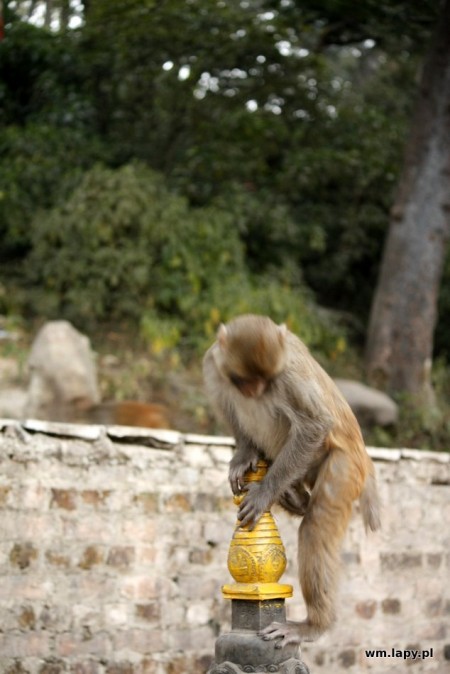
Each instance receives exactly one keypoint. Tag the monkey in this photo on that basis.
(132, 413)
(282, 406)
(122, 413)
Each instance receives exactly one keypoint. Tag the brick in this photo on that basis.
(434, 607)
(149, 666)
(366, 609)
(64, 498)
(23, 554)
(178, 503)
(4, 491)
(29, 644)
(206, 503)
(97, 528)
(31, 525)
(405, 560)
(121, 556)
(391, 606)
(57, 559)
(120, 668)
(347, 658)
(319, 658)
(87, 667)
(92, 556)
(34, 497)
(190, 639)
(148, 612)
(16, 668)
(141, 587)
(146, 554)
(73, 644)
(148, 501)
(199, 556)
(53, 618)
(434, 560)
(27, 618)
(52, 667)
(24, 588)
(142, 530)
(139, 641)
(94, 497)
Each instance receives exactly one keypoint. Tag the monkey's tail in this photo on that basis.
(370, 504)
(320, 537)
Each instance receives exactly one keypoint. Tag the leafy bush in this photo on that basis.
(123, 247)
(39, 164)
(123, 244)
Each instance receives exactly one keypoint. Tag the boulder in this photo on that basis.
(370, 406)
(63, 373)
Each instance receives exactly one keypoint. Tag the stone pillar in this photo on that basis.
(256, 561)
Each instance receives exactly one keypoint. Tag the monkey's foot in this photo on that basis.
(290, 633)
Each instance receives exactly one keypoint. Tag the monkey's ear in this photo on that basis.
(222, 335)
(282, 331)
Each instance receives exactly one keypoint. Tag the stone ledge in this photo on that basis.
(168, 439)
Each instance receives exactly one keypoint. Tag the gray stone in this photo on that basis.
(63, 375)
(371, 407)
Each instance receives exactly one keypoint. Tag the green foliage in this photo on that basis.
(278, 123)
(123, 244)
(42, 77)
(38, 164)
(122, 247)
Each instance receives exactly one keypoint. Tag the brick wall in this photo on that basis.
(113, 549)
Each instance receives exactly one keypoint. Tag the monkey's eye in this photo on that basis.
(238, 381)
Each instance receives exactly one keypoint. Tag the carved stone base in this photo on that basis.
(238, 652)
(291, 666)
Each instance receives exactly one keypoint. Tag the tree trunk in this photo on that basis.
(48, 13)
(404, 310)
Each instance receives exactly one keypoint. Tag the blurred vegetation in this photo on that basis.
(165, 166)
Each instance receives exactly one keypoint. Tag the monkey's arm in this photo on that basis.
(246, 456)
(304, 446)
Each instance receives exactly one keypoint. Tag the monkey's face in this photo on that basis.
(250, 353)
(250, 387)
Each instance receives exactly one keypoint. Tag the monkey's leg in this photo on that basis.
(295, 499)
(320, 537)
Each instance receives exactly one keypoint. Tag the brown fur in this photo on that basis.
(123, 413)
(283, 406)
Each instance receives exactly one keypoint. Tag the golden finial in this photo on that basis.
(256, 559)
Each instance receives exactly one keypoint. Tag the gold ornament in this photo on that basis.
(256, 559)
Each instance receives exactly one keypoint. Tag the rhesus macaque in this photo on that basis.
(130, 413)
(283, 407)
(123, 413)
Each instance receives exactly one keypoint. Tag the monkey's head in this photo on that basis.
(251, 353)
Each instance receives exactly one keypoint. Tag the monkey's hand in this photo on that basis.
(242, 461)
(290, 633)
(287, 633)
(255, 503)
